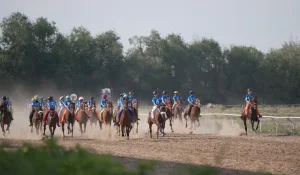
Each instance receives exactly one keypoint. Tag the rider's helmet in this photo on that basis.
(191, 92)
(92, 98)
(155, 92)
(121, 95)
(4, 98)
(126, 96)
(61, 98)
(81, 98)
(104, 96)
(249, 89)
(175, 92)
(164, 92)
(51, 107)
(131, 93)
(50, 98)
(36, 97)
(68, 97)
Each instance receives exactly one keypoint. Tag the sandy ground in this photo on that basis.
(215, 143)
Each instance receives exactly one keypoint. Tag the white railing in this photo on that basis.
(274, 118)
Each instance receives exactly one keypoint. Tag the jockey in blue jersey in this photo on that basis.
(79, 103)
(103, 103)
(131, 98)
(51, 105)
(68, 100)
(4, 107)
(9, 105)
(156, 103)
(130, 111)
(91, 103)
(176, 98)
(132, 101)
(120, 100)
(165, 97)
(34, 104)
(248, 99)
(191, 99)
(61, 104)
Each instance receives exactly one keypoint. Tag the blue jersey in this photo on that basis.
(61, 103)
(156, 100)
(103, 103)
(35, 103)
(164, 98)
(51, 104)
(42, 104)
(248, 97)
(78, 104)
(191, 99)
(131, 99)
(176, 97)
(68, 102)
(120, 101)
(91, 102)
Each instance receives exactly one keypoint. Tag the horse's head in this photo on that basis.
(109, 106)
(178, 102)
(72, 108)
(40, 113)
(52, 113)
(197, 102)
(135, 103)
(125, 103)
(93, 108)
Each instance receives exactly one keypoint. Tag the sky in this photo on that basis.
(264, 24)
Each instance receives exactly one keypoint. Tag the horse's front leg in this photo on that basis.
(245, 124)
(45, 128)
(84, 127)
(252, 125)
(7, 128)
(63, 129)
(72, 128)
(68, 127)
(185, 117)
(52, 134)
(157, 131)
(137, 126)
(258, 121)
(80, 126)
(171, 124)
(3, 130)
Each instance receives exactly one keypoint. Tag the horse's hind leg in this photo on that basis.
(171, 124)
(258, 121)
(137, 126)
(84, 127)
(252, 125)
(72, 128)
(245, 124)
(7, 129)
(45, 128)
(63, 129)
(127, 132)
(186, 121)
(150, 129)
(3, 130)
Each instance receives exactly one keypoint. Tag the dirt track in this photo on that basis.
(256, 152)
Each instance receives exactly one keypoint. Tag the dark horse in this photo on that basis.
(252, 115)
(159, 120)
(5, 118)
(194, 115)
(125, 120)
(69, 118)
(51, 121)
(37, 119)
(106, 115)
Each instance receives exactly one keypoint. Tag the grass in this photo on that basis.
(50, 158)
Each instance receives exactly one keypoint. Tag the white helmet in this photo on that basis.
(61, 97)
(81, 98)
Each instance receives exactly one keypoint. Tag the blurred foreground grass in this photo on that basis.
(50, 159)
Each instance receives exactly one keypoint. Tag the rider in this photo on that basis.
(248, 98)
(120, 100)
(51, 106)
(91, 103)
(156, 103)
(103, 103)
(191, 99)
(130, 111)
(68, 100)
(131, 99)
(42, 103)
(9, 105)
(4, 106)
(176, 97)
(79, 103)
(164, 97)
(35, 103)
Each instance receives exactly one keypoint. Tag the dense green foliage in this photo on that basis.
(36, 52)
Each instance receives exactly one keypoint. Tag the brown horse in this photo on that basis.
(93, 116)
(177, 110)
(169, 112)
(194, 115)
(159, 120)
(51, 122)
(37, 120)
(107, 115)
(252, 115)
(134, 109)
(125, 120)
(5, 119)
(82, 117)
(68, 117)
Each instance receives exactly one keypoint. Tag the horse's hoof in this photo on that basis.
(172, 130)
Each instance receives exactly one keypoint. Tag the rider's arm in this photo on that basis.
(154, 102)
(247, 98)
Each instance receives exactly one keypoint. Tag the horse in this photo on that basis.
(194, 115)
(107, 115)
(51, 121)
(5, 119)
(37, 119)
(169, 112)
(159, 120)
(68, 117)
(125, 120)
(177, 110)
(93, 116)
(82, 117)
(252, 115)
(134, 109)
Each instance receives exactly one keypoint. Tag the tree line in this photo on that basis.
(35, 53)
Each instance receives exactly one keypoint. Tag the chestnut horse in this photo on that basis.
(107, 115)
(82, 117)
(93, 117)
(252, 115)
(69, 118)
(159, 120)
(5, 118)
(125, 120)
(37, 119)
(194, 115)
(134, 109)
(177, 110)
(169, 112)
(51, 121)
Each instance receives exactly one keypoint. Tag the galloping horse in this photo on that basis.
(169, 112)
(68, 117)
(51, 121)
(82, 117)
(93, 116)
(134, 109)
(37, 119)
(5, 118)
(107, 115)
(252, 115)
(125, 120)
(194, 114)
(177, 110)
(159, 120)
